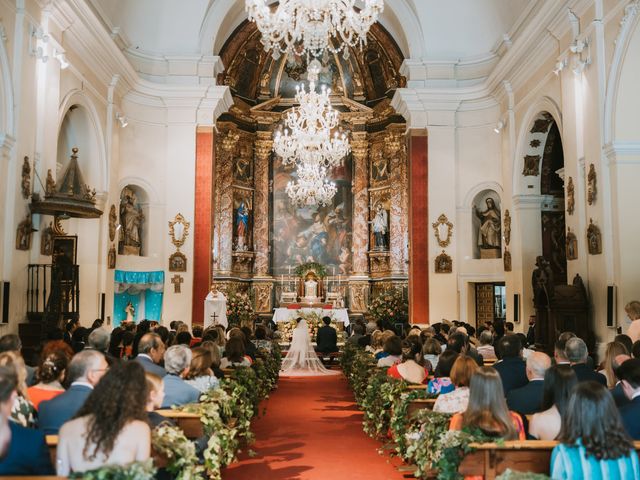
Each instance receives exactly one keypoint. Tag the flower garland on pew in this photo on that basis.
(400, 422)
(177, 451)
(381, 393)
(133, 471)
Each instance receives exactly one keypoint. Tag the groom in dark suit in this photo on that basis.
(327, 338)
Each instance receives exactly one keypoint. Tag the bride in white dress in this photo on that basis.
(301, 358)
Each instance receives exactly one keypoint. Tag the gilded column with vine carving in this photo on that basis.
(228, 142)
(360, 243)
(398, 213)
(263, 146)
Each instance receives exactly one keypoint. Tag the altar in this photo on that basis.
(289, 314)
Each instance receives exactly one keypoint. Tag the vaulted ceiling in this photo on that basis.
(437, 30)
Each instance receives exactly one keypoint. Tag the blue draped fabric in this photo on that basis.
(139, 288)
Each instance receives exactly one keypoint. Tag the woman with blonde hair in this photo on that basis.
(216, 358)
(457, 401)
(376, 342)
(633, 312)
(23, 411)
(200, 375)
(608, 365)
(487, 408)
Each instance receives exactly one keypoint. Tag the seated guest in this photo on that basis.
(411, 369)
(629, 374)
(459, 342)
(84, 372)
(177, 360)
(511, 368)
(528, 399)
(635, 349)
(222, 339)
(23, 411)
(111, 428)
(358, 333)
(617, 392)
(216, 358)
(593, 442)
(431, 350)
(608, 365)
(327, 337)
(559, 381)
(633, 312)
(487, 408)
(559, 355)
(386, 335)
(249, 347)
(261, 342)
(200, 374)
(12, 343)
(626, 341)
(234, 355)
(196, 331)
(376, 342)
(442, 382)
(99, 340)
(577, 353)
(25, 451)
(183, 338)
(50, 375)
(151, 352)
(393, 349)
(155, 388)
(457, 401)
(486, 348)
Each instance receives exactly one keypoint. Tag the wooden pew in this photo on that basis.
(420, 404)
(491, 459)
(52, 443)
(189, 423)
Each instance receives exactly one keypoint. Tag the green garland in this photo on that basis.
(319, 270)
(382, 391)
(180, 452)
(423, 437)
(133, 471)
(400, 420)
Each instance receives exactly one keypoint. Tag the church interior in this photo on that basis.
(419, 168)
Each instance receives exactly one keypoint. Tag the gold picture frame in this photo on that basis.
(179, 231)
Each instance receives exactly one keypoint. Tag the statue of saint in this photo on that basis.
(131, 218)
(542, 283)
(130, 311)
(489, 231)
(380, 227)
(242, 226)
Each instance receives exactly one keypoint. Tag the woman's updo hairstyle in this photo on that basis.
(53, 365)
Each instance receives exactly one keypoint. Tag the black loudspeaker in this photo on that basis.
(102, 300)
(611, 305)
(516, 307)
(5, 302)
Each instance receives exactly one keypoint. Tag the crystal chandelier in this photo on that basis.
(307, 26)
(308, 138)
(311, 187)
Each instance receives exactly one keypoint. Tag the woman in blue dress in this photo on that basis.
(593, 442)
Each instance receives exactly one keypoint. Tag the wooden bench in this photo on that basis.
(52, 443)
(189, 423)
(492, 459)
(420, 404)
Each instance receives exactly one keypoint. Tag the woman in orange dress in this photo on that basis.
(50, 375)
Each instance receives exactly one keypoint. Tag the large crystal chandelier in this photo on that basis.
(307, 26)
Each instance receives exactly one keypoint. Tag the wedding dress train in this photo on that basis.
(301, 358)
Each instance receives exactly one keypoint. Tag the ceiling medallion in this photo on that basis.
(307, 26)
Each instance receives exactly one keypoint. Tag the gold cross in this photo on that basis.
(177, 280)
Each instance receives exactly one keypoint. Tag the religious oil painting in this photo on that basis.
(313, 233)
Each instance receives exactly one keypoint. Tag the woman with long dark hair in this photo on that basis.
(487, 408)
(593, 441)
(559, 381)
(111, 428)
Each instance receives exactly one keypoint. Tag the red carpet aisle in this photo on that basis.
(312, 431)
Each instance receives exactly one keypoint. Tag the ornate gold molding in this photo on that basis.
(443, 221)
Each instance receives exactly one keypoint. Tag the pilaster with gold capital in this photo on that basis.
(398, 218)
(360, 242)
(263, 146)
(226, 145)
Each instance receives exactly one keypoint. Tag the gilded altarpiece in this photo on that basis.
(361, 237)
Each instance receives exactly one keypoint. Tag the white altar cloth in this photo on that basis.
(218, 306)
(288, 314)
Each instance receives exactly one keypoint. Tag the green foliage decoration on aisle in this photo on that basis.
(358, 366)
(382, 391)
(180, 453)
(423, 438)
(400, 421)
(133, 471)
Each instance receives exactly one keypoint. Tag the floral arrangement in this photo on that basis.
(180, 452)
(423, 436)
(318, 269)
(133, 471)
(389, 306)
(239, 307)
(400, 422)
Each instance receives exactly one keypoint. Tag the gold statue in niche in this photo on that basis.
(592, 189)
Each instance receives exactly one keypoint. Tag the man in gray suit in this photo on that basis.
(177, 360)
(151, 351)
(85, 371)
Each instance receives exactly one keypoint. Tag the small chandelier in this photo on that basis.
(308, 138)
(307, 26)
(311, 187)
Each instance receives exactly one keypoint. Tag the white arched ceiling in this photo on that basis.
(423, 29)
(627, 101)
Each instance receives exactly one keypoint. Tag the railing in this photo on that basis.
(53, 293)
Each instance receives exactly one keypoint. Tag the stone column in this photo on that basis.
(360, 242)
(398, 220)
(224, 209)
(262, 150)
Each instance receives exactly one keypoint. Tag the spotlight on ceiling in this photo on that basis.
(499, 126)
(122, 119)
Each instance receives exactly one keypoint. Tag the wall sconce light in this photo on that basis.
(122, 119)
(61, 57)
(499, 126)
(560, 66)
